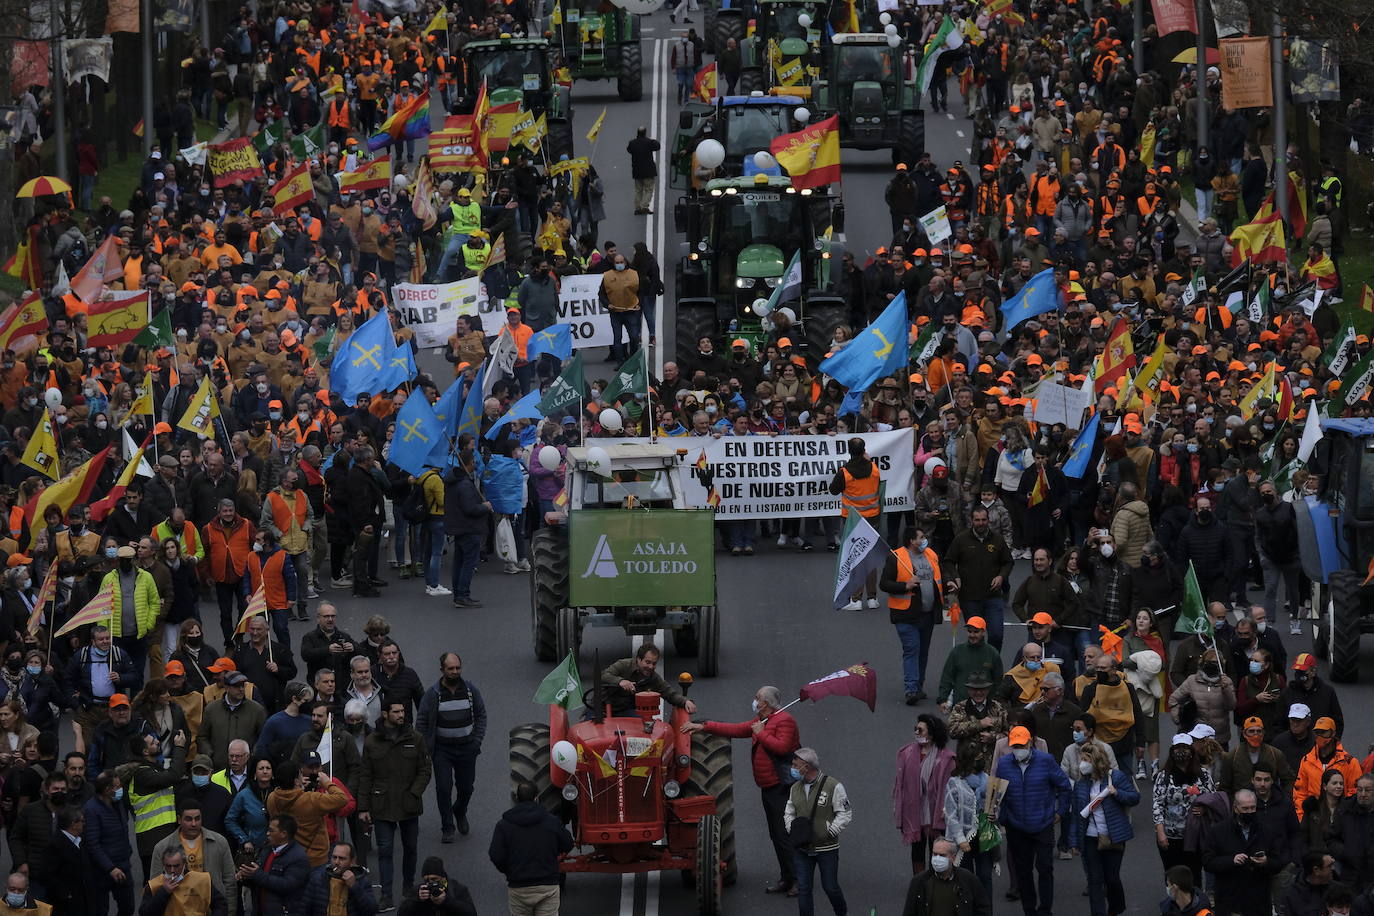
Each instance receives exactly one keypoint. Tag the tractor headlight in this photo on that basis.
(805, 192)
(772, 282)
(672, 789)
(570, 792)
(702, 246)
(683, 760)
(744, 283)
(732, 191)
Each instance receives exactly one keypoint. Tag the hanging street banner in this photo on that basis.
(1314, 71)
(580, 308)
(626, 558)
(1245, 81)
(787, 476)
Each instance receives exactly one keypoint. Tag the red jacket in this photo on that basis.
(773, 745)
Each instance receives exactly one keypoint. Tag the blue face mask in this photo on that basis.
(1080, 737)
(794, 773)
(15, 900)
(1032, 666)
(1192, 448)
(923, 543)
(111, 552)
(35, 670)
(1256, 667)
(119, 794)
(200, 780)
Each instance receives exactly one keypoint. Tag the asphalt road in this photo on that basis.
(777, 627)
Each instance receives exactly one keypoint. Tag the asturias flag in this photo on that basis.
(1039, 295)
(880, 349)
(811, 156)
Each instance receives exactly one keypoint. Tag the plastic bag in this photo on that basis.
(989, 837)
(505, 541)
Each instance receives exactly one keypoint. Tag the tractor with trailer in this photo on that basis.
(599, 41)
(741, 235)
(626, 543)
(638, 795)
(1336, 542)
(743, 124)
(519, 70)
(864, 82)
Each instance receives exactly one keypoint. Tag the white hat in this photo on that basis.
(1202, 730)
(1299, 711)
(1182, 739)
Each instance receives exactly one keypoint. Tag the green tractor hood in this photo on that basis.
(759, 260)
(507, 94)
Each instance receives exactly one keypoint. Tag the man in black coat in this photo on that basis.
(1304, 897)
(1204, 543)
(365, 494)
(970, 899)
(1350, 838)
(276, 882)
(1276, 529)
(64, 865)
(451, 899)
(525, 847)
(1305, 687)
(465, 517)
(1236, 852)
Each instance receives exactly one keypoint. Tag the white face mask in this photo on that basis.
(1108, 550)
(1085, 767)
(939, 864)
(1022, 754)
(1262, 625)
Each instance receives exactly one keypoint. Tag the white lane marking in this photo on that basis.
(958, 133)
(651, 894)
(627, 894)
(950, 116)
(660, 217)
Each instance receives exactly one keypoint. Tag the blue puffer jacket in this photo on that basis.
(1035, 796)
(107, 835)
(1113, 808)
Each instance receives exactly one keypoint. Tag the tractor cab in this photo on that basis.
(516, 70)
(743, 124)
(865, 83)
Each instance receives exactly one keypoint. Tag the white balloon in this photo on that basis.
(884, 18)
(890, 29)
(894, 41)
(53, 398)
(549, 458)
(599, 461)
(760, 307)
(564, 756)
(610, 419)
(764, 160)
(710, 153)
(802, 115)
(804, 20)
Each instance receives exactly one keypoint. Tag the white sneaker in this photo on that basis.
(855, 605)
(872, 603)
(523, 565)
(782, 540)
(437, 591)
(512, 568)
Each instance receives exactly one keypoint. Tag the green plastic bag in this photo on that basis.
(989, 837)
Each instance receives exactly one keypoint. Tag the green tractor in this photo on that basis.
(741, 236)
(744, 125)
(864, 84)
(519, 69)
(599, 41)
(785, 42)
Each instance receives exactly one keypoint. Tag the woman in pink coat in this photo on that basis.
(918, 791)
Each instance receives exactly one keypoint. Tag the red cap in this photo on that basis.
(1304, 662)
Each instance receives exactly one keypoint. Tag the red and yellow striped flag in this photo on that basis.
(46, 593)
(256, 605)
(1040, 492)
(101, 607)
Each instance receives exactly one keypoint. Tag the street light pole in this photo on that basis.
(149, 43)
(59, 94)
(1280, 116)
(1203, 115)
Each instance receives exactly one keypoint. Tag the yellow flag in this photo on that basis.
(1147, 380)
(557, 17)
(41, 452)
(497, 254)
(1264, 388)
(202, 411)
(143, 404)
(440, 21)
(596, 128)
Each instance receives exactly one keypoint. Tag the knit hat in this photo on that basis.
(433, 866)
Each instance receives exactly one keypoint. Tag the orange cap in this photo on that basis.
(118, 699)
(161, 428)
(1019, 736)
(222, 665)
(174, 667)
(1324, 724)
(784, 342)
(976, 623)
(1043, 619)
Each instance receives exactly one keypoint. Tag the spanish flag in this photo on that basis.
(374, 174)
(75, 488)
(103, 507)
(1367, 299)
(704, 86)
(1260, 240)
(41, 452)
(1118, 357)
(294, 189)
(201, 412)
(24, 262)
(138, 128)
(102, 267)
(810, 156)
(115, 321)
(1040, 492)
(22, 320)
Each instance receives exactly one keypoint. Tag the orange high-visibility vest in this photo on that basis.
(338, 113)
(861, 493)
(906, 571)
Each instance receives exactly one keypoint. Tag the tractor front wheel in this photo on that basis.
(911, 139)
(569, 633)
(685, 641)
(709, 876)
(1345, 625)
(548, 588)
(708, 641)
(630, 81)
(821, 317)
(529, 761)
(560, 139)
(713, 774)
(1321, 623)
(694, 322)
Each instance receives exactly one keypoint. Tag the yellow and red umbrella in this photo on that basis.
(44, 186)
(1189, 56)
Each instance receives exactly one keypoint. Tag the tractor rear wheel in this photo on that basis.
(569, 633)
(749, 80)
(694, 322)
(1321, 625)
(560, 139)
(911, 139)
(708, 641)
(708, 877)
(708, 26)
(630, 81)
(685, 641)
(727, 26)
(548, 588)
(713, 774)
(821, 318)
(1345, 625)
(529, 760)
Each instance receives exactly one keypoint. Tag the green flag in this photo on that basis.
(158, 332)
(946, 38)
(322, 346)
(631, 379)
(1193, 616)
(1355, 382)
(926, 346)
(566, 390)
(1194, 288)
(268, 137)
(1337, 356)
(562, 686)
(309, 144)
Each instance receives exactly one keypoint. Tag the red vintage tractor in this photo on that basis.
(642, 797)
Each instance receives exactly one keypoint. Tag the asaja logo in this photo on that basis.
(602, 564)
(648, 559)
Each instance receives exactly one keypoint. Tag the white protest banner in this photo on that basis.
(1055, 403)
(580, 307)
(936, 225)
(787, 476)
(429, 310)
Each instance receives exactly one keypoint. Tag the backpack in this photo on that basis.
(415, 507)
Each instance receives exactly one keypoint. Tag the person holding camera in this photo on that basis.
(438, 896)
(309, 802)
(326, 646)
(525, 847)
(391, 791)
(342, 878)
